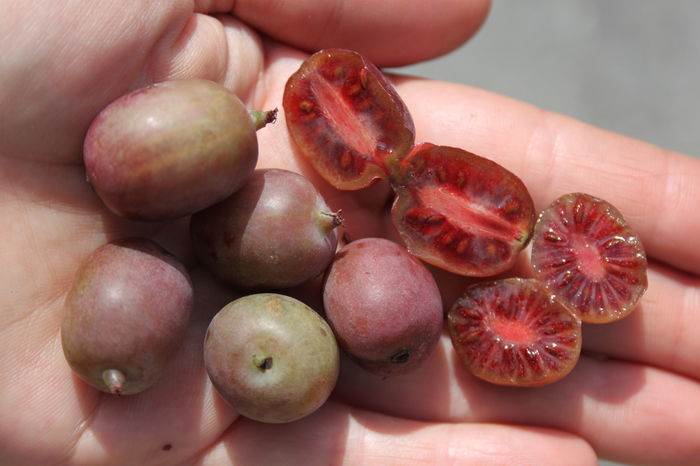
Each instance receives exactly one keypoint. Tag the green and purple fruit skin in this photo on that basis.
(274, 233)
(170, 149)
(127, 311)
(383, 305)
(271, 357)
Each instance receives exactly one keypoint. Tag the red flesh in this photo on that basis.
(346, 118)
(513, 332)
(588, 256)
(459, 211)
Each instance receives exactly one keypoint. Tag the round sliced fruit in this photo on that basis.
(584, 251)
(461, 212)
(514, 332)
(346, 118)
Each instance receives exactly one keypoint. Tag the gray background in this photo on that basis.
(630, 66)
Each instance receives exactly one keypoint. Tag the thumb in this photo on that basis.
(70, 59)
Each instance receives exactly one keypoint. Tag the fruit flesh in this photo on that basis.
(346, 118)
(587, 255)
(383, 305)
(170, 149)
(459, 211)
(276, 232)
(271, 357)
(125, 315)
(513, 332)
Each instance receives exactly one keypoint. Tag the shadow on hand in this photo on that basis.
(593, 381)
(318, 439)
(423, 394)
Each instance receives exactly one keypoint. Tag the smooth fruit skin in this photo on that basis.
(276, 232)
(346, 118)
(383, 305)
(587, 255)
(271, 357)
(459, 211)
(125, 315)
(514, 332)
(170, 149)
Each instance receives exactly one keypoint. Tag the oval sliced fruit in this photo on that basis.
(514, 332)
(584, 251)
(346, 118)
(459, 211)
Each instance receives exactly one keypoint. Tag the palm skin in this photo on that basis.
(634, 396)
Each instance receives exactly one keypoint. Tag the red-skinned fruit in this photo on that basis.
(514, 332)
(345, 117)
(171, 149)
(271, 357)
(276, 232)
(459, 211)
(584, 251)
(383, 305)
(126, 315)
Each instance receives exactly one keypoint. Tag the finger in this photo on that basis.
(656, 190)
(440, 116)
(662, 331)
(220, 49)
(391, 33)
(70, 61)
(627, 412)
(334, 435)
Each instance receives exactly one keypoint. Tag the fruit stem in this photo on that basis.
(331, 220)
(261, 118)
(114, 379)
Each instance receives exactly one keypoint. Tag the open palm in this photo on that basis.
(633, 397)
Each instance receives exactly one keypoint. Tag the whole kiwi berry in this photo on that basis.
(171, 149)
(271, 357)
(275, 232)
(125, 315)
(383, 305)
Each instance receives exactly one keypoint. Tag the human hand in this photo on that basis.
(630, 398)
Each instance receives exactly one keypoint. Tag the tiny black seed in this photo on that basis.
(167, 447)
